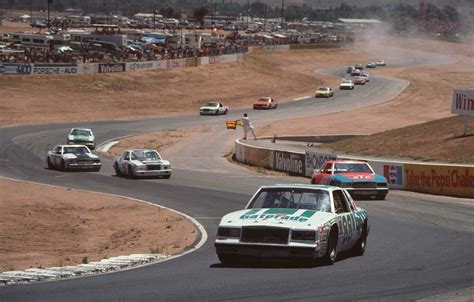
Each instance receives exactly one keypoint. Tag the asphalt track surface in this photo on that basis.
(419, 245)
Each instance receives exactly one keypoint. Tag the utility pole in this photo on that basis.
(282, 11)
(49, 17)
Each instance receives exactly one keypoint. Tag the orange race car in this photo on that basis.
(265, 103)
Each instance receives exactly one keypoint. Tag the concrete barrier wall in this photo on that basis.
(439, 179)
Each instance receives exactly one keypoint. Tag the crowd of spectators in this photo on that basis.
(430, 26)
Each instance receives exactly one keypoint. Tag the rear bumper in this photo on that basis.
(367, 191)
(265, 251)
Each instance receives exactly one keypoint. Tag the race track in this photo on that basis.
(419, 245)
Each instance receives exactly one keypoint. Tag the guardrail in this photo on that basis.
(440, 179)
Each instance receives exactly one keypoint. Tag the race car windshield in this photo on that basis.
(290, 198)
(145, 155)
(212, 104)
(324, 88)
(75, 150)
(80, 132)
(352, 168)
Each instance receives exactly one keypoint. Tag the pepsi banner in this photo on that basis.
(392, 171)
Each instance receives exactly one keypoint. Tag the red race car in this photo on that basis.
(359, 81)
(265, 103)
(357, 177)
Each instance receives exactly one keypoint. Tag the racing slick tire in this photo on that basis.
(359, 247)
(49, 163)
(117, 170)
(62, 166)
(130, 172)
(228, 259)
(380, 196)
(331, 253)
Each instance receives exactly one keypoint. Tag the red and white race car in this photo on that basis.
(359, 81)
(357, 177)
(265, 103)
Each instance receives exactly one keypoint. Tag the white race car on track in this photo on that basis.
(310, 222)
(141, 162)
(72, 157)
(213, 108)
(81, 136)
(346, 84)
(381, 63)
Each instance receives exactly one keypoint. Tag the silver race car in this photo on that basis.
(72, 157)
(142, 162)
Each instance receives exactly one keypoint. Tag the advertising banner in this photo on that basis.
(111, 67)
(191, 62)
(463, 102)
(315, 161)
(228, 58)
(137, 66)
(392, 171)
(289, 162)
(214, 60)
(203, 60)
(438, 179)
(88, 68)
(55, 69)
(16, 69)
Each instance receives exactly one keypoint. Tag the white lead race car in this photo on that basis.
(293, 222)
(142, 163)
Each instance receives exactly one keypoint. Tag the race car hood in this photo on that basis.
(209, 107)
(262, 103)
(276, 217)
(80, 156)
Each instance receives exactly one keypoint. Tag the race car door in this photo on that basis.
(56, 156)
(346, 223)
(123, 162)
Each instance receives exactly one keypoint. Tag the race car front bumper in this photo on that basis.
(363, 192)
(90, 145)
(83, 166)
(267, 251)
(152, 173)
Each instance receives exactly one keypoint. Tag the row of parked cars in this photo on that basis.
(76, 155)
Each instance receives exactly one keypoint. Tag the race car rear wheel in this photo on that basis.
(380, 196)
(130, 172)
(117, 170)
(331, 252)
(49, 163)
(228, 259)
(62, 165)
(359, 248)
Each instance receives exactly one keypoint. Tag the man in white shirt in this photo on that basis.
(247, 126)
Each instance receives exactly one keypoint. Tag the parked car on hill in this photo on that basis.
(357, 177)
(142, 163)
(296, 222)
(72, 157)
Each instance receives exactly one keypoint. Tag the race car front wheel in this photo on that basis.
(331, 252)
(117, 170)
(49, 163)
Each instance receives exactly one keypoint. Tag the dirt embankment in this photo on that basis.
(47, 226)
(439, 140)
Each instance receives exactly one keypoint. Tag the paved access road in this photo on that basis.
(419, 245)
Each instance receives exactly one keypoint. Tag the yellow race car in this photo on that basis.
(324, 92)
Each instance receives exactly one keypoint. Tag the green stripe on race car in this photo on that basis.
(307, 214)
(280, 211)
